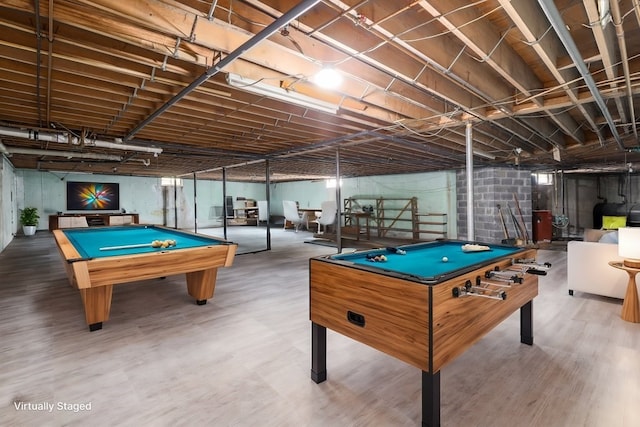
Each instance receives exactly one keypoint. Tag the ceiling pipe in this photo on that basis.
(554, 17)
(145, 162)
(4, 150)
(67, 138)
(67, 154)
(624, 58)
(271, 29)
(125, 147)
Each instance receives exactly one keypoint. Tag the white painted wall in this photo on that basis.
(8, 204)
(144, 196)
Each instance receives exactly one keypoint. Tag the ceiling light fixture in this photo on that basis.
(328, 78)
(483, 154)
(280, 94)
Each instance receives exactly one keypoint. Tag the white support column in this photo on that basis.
(469, 142)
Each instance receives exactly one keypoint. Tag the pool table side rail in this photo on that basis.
(67, 250)
(77, 272)
(86, 273)
(108, 271)
(430, 280)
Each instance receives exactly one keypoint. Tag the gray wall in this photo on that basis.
(493, 186)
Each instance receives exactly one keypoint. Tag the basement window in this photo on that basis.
(543, 178)
(331, 183)
(170, 182)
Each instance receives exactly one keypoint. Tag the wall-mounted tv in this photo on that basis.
(93, 196)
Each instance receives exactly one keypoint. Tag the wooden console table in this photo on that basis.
(67, 220)
(630, 306)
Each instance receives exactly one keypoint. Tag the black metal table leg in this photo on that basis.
(318, 353)
(526, 323)
(430, 399)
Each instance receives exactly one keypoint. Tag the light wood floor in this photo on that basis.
(243, 359)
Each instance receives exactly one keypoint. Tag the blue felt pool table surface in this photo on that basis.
(424, 261)
(88, 241)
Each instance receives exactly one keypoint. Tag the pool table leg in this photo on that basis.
(526, 323)
(430, 399)
(97, 305)
(318, 353)
(201, 284)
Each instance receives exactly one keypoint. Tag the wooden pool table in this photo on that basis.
(415, 306)
(97, 258)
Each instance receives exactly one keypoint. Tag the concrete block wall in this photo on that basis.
(493, 187)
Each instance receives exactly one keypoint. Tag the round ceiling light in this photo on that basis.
(328, 78)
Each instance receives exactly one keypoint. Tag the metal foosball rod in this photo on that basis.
(501, 276)
(532, 262)
(525, 269)
(475, 291)
(502, 284)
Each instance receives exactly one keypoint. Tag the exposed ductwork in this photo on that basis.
(67, 138)
(3, 149)
(67, 154)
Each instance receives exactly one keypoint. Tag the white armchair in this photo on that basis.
(328, 214)
(292, 214)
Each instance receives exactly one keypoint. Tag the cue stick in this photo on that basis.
(515, 223)
(115, 248)
(504, 226)
(526, 232)
(155, 244)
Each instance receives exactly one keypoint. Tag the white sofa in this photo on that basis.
(588, 269)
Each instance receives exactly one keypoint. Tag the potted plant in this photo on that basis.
(29, 219)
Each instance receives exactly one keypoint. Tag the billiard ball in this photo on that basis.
(445, 259)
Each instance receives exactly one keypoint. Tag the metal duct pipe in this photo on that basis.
(4, 150)
(126, 147)
(67, 154)
(35, 135)
(553, 15)
(145, 162)
(67, 138)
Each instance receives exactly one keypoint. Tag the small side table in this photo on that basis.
(366, 216)
(630, 306)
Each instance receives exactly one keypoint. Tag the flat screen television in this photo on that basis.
(93, 196)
